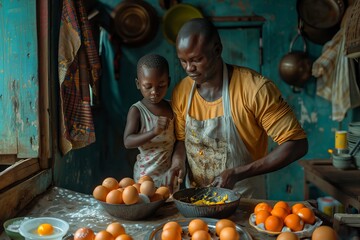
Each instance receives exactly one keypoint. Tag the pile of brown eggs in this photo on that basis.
(127, 191)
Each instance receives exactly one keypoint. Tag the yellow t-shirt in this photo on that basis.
(257, 108)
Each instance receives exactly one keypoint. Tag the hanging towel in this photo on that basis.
(79, 68)
(332, 72)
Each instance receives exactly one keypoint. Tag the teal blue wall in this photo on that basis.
(82, 169)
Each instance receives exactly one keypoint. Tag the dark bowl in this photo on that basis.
(184, 200)
(134, 211)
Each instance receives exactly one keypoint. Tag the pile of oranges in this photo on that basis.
(114, 231)
(198, 229)
(282, 214)
(127, 191)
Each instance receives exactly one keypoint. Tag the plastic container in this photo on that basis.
(11, 227)
(28, 228)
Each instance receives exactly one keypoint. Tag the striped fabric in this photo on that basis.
(79, 68)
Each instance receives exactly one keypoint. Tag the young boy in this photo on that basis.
(150, 122)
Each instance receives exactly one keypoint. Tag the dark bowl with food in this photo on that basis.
(209, 202)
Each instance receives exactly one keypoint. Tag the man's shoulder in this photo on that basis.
(184, 84)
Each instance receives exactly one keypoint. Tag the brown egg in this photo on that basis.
(110, 183)
(100, 192)
(104, 235)
(287, 236)
(229, 233)
(222, 223)
(324, 232)
(148, 188)
(130, 195)
(145, 178)
(197, 224)
(156, 197)
(84, 233)
(116, 229)
(114, 197)
(137, 185)
(127, 181)
(201, 235)
(164, 191)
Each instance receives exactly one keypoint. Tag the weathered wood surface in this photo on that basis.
(15, 199)
(18, 79)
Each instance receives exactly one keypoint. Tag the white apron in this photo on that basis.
(214, 145)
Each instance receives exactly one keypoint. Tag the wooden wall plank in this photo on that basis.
(15, 199)
(18, 171)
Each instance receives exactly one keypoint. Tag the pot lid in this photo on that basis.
(175, 17)
(135, 22)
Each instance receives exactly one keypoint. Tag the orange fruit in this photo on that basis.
(114, 197)
(229, 233)
(274, 224)
(284, 205)
(201, 235)
(172, 224)
(294, 222)
(100, 193)
(115, 228)
(197, 224)
(110, 183)
(262, 206)
(170, 234)
(124, 237)
(279, 212)
(307, 215)
(223, 223)
(296, 207)
(261, 216)
(104, 235)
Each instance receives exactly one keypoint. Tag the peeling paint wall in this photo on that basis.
(83, 169)
(19, 126)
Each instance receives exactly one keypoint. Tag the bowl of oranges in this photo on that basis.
(283, 217)
(130, 200)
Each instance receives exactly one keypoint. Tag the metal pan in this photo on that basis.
(321, 14)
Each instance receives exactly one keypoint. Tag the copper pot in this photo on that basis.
(295, 67)
(135, 22)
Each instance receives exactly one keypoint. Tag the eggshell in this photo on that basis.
(143, 198)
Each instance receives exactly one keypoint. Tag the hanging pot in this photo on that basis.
(318, 35)
(295, 67)
(321, 14)
(135, 22)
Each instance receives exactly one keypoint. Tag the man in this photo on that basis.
(224, 115)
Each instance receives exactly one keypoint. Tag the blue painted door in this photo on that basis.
(19, 125)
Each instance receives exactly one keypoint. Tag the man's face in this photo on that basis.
(197, 57)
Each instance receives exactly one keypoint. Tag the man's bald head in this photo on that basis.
(199, 27)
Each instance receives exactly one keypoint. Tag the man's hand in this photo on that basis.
(226, 179)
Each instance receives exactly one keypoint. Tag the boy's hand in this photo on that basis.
(161, 125)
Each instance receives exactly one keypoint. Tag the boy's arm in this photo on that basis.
(132, 137)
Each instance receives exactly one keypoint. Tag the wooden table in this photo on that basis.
(81, 210)
(343, 185)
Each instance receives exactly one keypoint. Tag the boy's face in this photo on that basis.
(153, 84)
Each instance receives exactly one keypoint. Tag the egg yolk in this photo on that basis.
(45, 229)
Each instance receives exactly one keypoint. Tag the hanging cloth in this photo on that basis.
(79, 69)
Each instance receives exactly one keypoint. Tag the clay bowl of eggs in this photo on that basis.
(131, 200)
(211, 202)
(44, 228)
